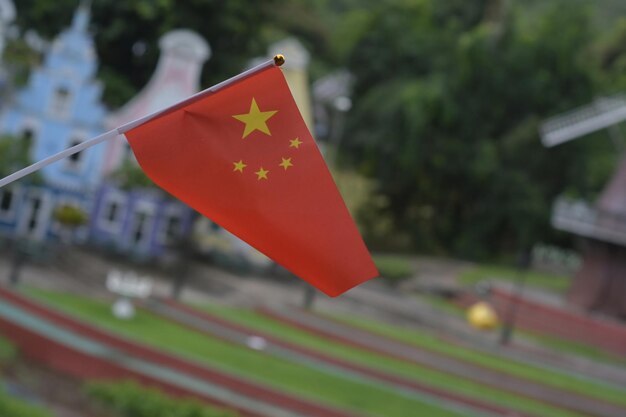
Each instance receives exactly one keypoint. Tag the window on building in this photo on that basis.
(7, 199)
(61, 101)
(140, 229)
(28, 136)
(75, 160)
(171, 227)
(112, 212)
(33, 218)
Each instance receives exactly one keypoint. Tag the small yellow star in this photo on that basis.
(255, 119)
(286, 163)
(295, 143)
(261, 174)
(239, 166)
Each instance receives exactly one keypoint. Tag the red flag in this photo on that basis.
(244, 158)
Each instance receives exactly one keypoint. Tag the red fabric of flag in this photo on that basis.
(244, 158)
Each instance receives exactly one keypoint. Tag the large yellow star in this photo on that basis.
(295, 143)
(261, 174)
(286, 163)
(239, 166)
(255, 119)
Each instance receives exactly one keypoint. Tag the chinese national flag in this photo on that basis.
(244, 158)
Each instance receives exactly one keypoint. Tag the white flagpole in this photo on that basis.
(278, 60)
(63, 154)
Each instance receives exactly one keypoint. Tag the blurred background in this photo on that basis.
(479, 147)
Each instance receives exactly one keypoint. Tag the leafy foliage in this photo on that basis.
(545, 281)
(129, 175)
(14, 155)
(15, 408)
(393, 268)
(127, 33)
(447, 108)
(447, 101)
(19, 58)
(8, 351)
(70, 216)
(129, 399)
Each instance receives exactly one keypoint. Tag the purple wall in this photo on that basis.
(138, 222)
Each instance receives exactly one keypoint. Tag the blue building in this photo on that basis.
(145, 223)
(60, 107)
(141, 223)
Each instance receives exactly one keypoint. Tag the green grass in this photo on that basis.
(574, 348)
(517, 368)
(12, 407)
(307, 382)
(442, 304)
(550, 282)
(411, 371)
(131, 399)
(8, 351)
(393, 268)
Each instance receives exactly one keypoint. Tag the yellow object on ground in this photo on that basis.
(482, 316)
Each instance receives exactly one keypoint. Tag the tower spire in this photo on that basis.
(80, 22)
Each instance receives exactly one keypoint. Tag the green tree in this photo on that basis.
(127, 33)
(128, 399)
(70, 217)
(448, 101)
(130, 175)
(14, 155)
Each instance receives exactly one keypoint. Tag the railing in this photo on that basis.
(581, 218)
(604, 112)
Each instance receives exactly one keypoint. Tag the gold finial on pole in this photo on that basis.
(279, 59)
